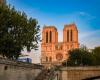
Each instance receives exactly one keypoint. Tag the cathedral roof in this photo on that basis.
(73, 25)
(53, 27)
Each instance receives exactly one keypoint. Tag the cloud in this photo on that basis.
(88, 34)
(90, 38)
(86, 15)
(82, 13)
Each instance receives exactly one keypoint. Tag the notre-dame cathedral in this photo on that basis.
(54, 52)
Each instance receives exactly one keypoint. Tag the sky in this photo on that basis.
(84, 13)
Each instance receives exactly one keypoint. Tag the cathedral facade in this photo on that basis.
(54, 52)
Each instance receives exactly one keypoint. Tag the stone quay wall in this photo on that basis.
(79, 73)
(12, 70)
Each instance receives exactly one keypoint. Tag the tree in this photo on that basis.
(96, 53)
(17, 32)
(80, 57)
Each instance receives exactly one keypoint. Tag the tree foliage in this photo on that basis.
(83, 57)
(17, 32)
(96, 53)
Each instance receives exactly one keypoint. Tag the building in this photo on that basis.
(54, 52)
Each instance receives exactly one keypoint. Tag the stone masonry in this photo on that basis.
(12, 70)
(79, 73)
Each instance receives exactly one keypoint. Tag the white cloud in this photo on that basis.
(86, 15)
(88, 33)
(91, 38)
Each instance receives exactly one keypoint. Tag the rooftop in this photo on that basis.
(70, 25)
(50, 27)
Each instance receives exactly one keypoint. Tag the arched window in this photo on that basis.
(67, 35)
(46, 59)
(56, 47)
(71, 35)
(61, 47)
(50, 36)
(46, 37)
(50, 59)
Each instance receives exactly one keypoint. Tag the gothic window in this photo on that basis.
(46, 37)
(50, 59)
(61, 47)
(67, 35)
(71, 36)
(46, 59)
(56, 47)
(50, 36)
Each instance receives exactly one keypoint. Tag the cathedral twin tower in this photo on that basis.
(54, 52)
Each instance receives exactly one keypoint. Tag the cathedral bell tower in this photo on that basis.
(70, 36)
(49, 39)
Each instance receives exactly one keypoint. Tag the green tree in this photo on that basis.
(17, 32)
(96, 53)
(80, 57)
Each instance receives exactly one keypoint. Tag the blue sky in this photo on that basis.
(84, 13)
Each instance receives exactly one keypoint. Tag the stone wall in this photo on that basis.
(12, 70)
(79, 73)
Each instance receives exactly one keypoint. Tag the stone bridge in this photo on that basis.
(80, 73)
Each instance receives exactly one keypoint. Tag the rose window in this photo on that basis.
(59, 56)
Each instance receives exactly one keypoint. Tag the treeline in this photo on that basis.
(83, 57)
(17, 32)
